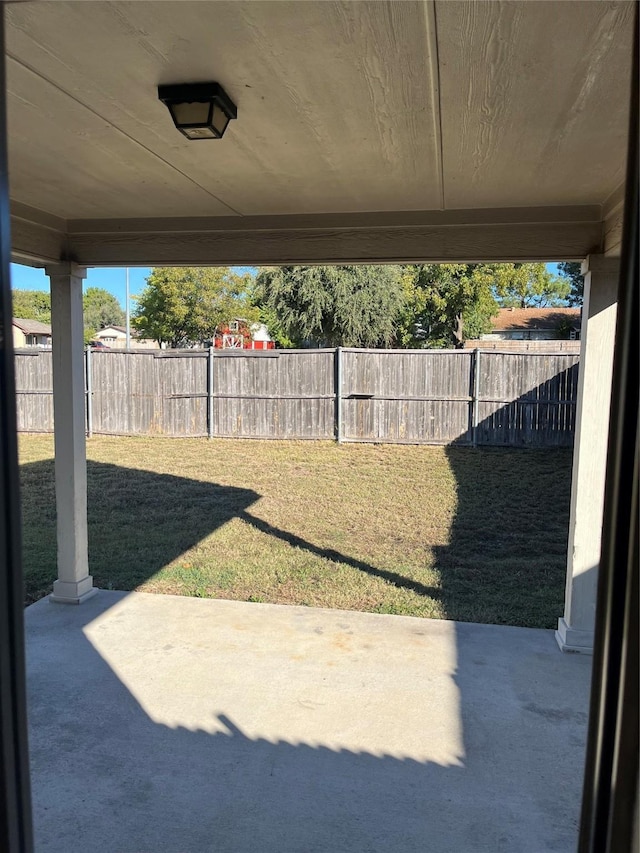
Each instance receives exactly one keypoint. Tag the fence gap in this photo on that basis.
(210, 424)
(475, 397)
(88, 384)
(338, 388)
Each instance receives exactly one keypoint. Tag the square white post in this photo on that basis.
(576, 628)
(74, 584)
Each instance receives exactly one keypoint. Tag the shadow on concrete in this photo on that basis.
(108, 777)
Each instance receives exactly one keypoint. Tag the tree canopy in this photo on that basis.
(528, 286)
(101, 309)
(182, 306)
(354, 306)
(426, 305)
(571, 271)
(446, 304)
(411, 305)
(32, 305)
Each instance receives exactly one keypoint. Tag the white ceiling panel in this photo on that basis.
(337, 107)
(534, 101)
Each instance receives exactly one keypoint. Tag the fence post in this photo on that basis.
(89, 390)
(475, 394)
(338, 374)
(210, 394)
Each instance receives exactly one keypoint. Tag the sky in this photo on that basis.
(110, 278)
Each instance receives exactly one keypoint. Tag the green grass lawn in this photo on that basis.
(455, 533)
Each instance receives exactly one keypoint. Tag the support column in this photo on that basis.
(74, 584)
(575, 629)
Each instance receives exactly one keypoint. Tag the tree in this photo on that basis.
(268, 315)
(355, 306)
(182, 306)
(100, 309)
(528, 286)
(32, 305)
(571, 270)
(446, 304)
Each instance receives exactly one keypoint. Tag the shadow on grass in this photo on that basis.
(133, 502)
(335, 556)
(504, 562)
(506, 559)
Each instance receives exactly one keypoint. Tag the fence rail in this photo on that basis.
(473, 397)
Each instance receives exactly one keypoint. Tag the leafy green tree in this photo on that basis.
(32, 305)
(355, 306)
(570, 270)
(269, 316)
(411, 332)
(182, 306)
(445, 304)
(528, 286)
(100, 309)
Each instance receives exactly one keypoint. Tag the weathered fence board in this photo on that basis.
(401, 396)
(34, 384)
(406, 395)
(526, 399)
(281, 394)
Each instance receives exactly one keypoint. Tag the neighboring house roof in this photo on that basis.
(534, 318)
(114, 328)
(32, 327)
(121, 329)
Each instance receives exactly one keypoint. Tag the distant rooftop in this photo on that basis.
(32, 327)
(123, 329)
(534, 318)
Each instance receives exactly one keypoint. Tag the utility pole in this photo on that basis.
(128, 313)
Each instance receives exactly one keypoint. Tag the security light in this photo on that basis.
(198, 110)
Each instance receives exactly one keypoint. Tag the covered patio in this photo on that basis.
(168, 724)
(417, 132)
(367, 132)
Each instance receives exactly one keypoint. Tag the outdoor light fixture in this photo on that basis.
(199, 110)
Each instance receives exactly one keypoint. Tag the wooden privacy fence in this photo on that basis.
(472, 397)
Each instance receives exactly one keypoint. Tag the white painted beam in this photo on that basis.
(74, 584)
(523, 234)
(37, 238)
(591, 213)
(502, 234)
(576, 628)
(613, 215)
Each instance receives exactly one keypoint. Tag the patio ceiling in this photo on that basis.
(369, 130)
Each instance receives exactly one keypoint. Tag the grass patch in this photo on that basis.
(456, 533)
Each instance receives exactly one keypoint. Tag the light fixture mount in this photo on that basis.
(198, 110)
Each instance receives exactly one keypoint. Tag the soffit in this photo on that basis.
(342, 106)
(335, 104)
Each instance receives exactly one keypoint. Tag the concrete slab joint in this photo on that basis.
(74, 584)
(576, 628)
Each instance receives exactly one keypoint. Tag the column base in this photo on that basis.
(573, 639)
(73, 592)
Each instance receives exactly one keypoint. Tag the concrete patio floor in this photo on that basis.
(161, 724)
